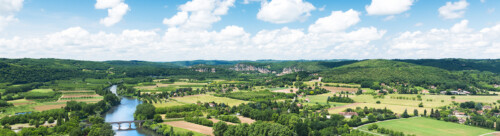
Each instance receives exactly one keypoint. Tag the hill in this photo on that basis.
(491, 65)
(388, 71)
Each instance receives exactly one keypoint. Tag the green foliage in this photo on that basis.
(144, 111)
(257, 95)
(232, 119)
(198, 120)
(157, 118)
(341, 98)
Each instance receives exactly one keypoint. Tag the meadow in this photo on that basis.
(399, 105)
(430, 127)
(208, 98)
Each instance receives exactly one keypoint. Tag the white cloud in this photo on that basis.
(459, 41)
(116, 10)
(337, 21)
(199, 14)
(176, 43)
(7, 10)
(284, 11)
(453, 10)
(388, 7)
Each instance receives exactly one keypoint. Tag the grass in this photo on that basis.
(42, 90)
(182, 130)
(430, 127)
(321, 99)
(168, 104)
(209, 98)
(399, 105)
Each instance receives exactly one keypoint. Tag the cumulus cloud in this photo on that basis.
(116, 10)
(199, 14)
(337, 21)
(177, 43)
(7, 10)
(284, 11)
(453, 10)
(436, 43)
(388, 7)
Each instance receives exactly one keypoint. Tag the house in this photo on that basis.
(433, 87)
(496, 114)
(461, 120)
(307, 100)
(425, 91)
(459, 92)
(480, 112)
(486, 107)
(348, 114)
(299, 105)
(459, 114)
(328, 116)
(211, 104)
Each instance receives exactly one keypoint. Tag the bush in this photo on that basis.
(378, 102)
(157, 118)
(232, 119)
(372, 127)
(198, 120)
(51, 120)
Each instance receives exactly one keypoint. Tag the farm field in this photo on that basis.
(191, 126)
(245, 120)
(169, 103)
(19, 102)
(208, 98)
(174, 85)
(429, 127)
(399, 105)
(321, 99)
(42, 90)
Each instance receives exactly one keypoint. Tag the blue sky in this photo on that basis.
(249, 29)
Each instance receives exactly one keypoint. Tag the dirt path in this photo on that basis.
(245, 120)
(492, 133)
(191, 126)
(216, 120)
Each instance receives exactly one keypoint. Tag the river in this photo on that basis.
(125, 112)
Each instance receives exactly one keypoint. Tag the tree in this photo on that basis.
(405, 114)
(371, 118)
(51, 120)
(144, 111)
(425, 112)
(415, 112)
(102, 129)
(421, 104)
(219, 128)
(498, 125)
(157, 118)
(76, 132)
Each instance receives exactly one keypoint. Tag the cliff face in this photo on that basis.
(244, 67)
(289, 70)
(205, 70)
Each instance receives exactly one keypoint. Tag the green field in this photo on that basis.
(430, 127)
(168, 103)
(399, 105)
(208, 98)
(41, 90)
(321, 99)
